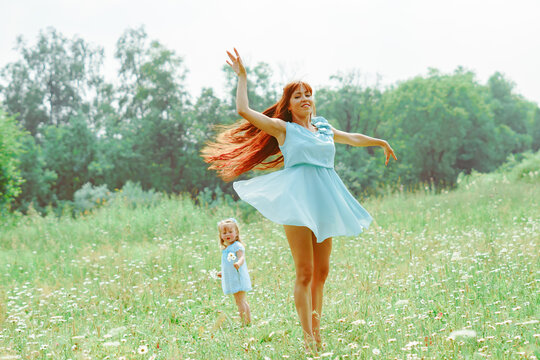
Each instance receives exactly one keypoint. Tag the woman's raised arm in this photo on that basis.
(355, 139)
(274, 127)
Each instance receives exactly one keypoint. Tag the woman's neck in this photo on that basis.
(303, 121)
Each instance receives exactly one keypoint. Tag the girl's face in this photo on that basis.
(228, 234)
(301, 102)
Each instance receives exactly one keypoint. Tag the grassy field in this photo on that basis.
(438, 276)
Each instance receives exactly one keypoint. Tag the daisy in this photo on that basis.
(143, 349)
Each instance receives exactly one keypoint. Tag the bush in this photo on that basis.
(527, 169)
(90, 197)
(133, 195)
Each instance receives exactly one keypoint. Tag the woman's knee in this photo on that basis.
(304, 274)
(320, 273)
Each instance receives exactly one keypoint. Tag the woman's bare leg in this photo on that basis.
(321, 266)
(299, 238)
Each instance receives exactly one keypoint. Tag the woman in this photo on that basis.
(307, 197)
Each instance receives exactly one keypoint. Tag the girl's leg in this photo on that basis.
(321, 266)
(243, 307)
(299, 238)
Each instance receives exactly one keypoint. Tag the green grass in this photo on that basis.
(103, 285)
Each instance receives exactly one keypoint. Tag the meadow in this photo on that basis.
(450, 275)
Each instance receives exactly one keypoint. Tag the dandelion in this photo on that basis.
(143, 349)
(231, 257)
(462, 333)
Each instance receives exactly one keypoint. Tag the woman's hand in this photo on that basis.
(236, 63)
(388, 151)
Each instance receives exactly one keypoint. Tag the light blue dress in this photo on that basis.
(232, 280)
(307, 192)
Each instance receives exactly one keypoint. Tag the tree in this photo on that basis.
(443, 124)
(511, 114)
(10, 147)
(52, 82)
(68, 150)
(152, 103)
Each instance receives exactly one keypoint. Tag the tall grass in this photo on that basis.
(137, 283)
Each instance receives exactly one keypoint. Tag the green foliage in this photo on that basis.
(10, 148)
(528, 169)
(90, 197)
(52, 81)
(37, 188)
(134, 196)
(148, 130)
(69, 149)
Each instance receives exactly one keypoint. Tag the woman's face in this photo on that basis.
(301, 102)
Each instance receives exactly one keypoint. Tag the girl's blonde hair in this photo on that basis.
(228, 222)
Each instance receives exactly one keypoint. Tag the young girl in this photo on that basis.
(234, 273)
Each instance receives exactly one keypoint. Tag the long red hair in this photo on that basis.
(241, 147)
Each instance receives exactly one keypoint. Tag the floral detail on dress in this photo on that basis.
(323, 126)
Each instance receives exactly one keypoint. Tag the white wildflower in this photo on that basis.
(111, 343)
(402, 303)
(231, 257)
(143, 349)
(462, 333)
(376, 351)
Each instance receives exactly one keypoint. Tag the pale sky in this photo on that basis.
(306, 39)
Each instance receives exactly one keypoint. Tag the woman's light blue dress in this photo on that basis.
(307, 192)
(232, 280)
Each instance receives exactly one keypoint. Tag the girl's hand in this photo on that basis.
(236, 63)
(218, 274)
(388, 152)
(236, 265)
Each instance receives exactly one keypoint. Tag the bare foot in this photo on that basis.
(310, 345)
(317, 338)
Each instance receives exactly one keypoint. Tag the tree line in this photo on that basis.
(62, 125)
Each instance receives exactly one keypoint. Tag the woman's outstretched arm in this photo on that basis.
(274, 127)
(355, 139)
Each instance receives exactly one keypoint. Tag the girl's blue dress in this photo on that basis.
(307, 192)
(232, 280)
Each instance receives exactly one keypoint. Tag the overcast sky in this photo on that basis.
(306, 39)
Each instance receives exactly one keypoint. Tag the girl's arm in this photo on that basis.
(241, 259)
(355, 139)
(271, 126)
